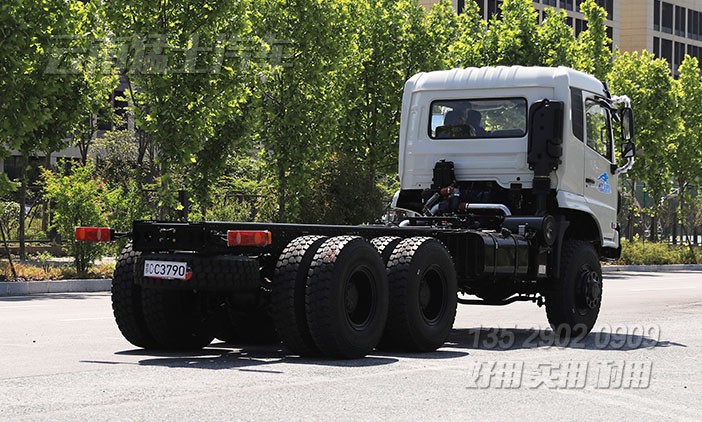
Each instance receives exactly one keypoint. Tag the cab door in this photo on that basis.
(600, 184)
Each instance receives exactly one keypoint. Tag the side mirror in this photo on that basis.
(628, 150)
(627, 124)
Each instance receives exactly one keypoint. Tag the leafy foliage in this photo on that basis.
(313, 135)
(640, 252)
(647, 81)
(78, 202)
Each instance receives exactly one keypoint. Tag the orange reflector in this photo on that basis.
(249, 238)
(94, 234)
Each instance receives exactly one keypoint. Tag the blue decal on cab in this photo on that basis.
(603, 184)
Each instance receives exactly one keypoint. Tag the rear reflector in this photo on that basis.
(249, 238)
(93, 234)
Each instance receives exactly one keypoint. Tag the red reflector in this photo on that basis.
(94, 234)
(249, 238)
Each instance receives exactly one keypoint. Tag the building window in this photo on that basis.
(679, 54)
(693, 51)
(680, 21)
(567, 4)
(493, 8)
(657, 15)
(13, 167)
(667, 18)
(580, 26)
(690, 18)
(481, 8)
(608, 6)
(657, 47)
(667, 50)
(550, 2)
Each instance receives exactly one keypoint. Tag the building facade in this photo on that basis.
(668, 29)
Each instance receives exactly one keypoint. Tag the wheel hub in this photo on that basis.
(424, 295)
(591, 289)
(351, 297)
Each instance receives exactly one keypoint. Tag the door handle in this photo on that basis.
(590, 181)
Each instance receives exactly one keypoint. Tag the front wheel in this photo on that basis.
(573, 305)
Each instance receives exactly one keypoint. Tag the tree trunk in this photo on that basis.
(46, 207)
(23, 204)
(654, 229)
(7, 250)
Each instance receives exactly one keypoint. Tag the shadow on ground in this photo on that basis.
(488, 338)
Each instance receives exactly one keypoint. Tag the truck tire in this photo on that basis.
(573, 304)
(346, 297)
(423, 295)
(126, 301)
(178, 320)
(385, 245)
(288, 295)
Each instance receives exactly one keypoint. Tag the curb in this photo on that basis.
(25, 288)
(651, 268)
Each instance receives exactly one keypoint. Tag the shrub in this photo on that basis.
(640, 252)
(77, 202)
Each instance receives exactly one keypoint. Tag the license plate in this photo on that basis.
(166, 269)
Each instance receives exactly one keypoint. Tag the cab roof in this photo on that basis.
(503, 77)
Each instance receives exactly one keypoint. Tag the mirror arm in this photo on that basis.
(629, 164)
(621, 99)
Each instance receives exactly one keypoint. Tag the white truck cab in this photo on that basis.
(481, 120)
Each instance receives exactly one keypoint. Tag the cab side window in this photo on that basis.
(598, 133)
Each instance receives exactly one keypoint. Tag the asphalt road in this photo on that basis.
(63, 359)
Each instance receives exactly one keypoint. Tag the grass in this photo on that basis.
(31, 272)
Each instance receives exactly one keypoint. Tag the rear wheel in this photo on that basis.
(385, 245)
(126, 301)
(346, 297)
(573, 305)
(288, 295)
(423, 295)
(178, 320)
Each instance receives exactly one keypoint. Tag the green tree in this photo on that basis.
(594, 54)
(298, 102)
(189, 72)
(685, 149)
(647, 81)
(470, 47)
(443, 30)
(512, 36)
(41, 83)
(78, 201)
(96, 78)
(557, 45)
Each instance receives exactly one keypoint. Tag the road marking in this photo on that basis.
(660, 289)
(84, 319)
